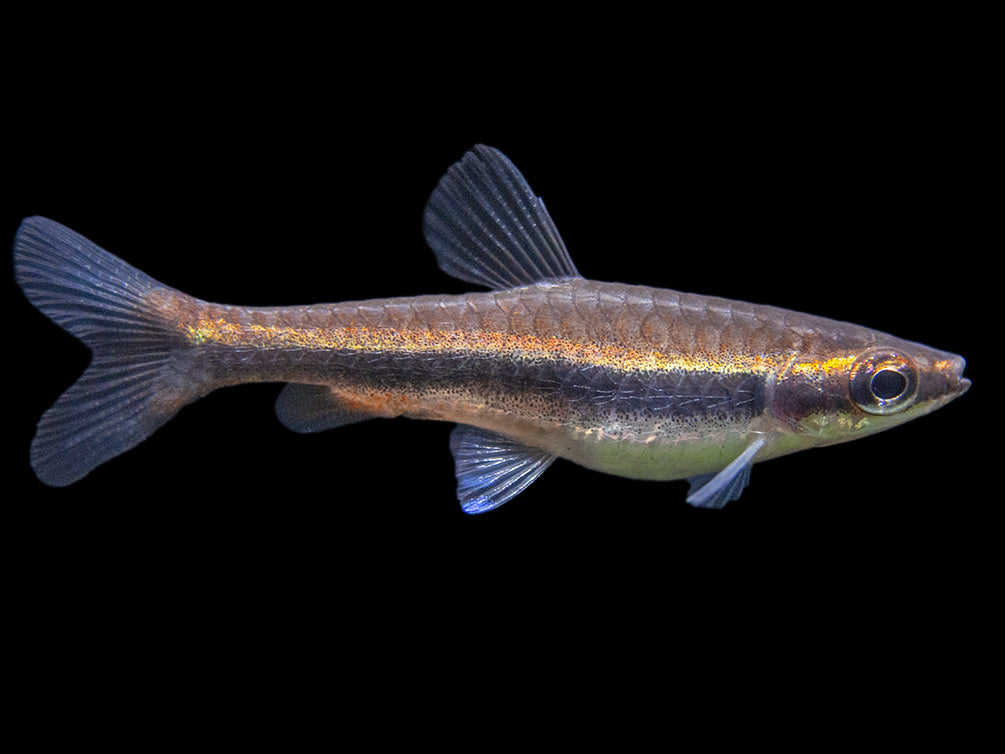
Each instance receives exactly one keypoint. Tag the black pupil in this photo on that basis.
(888, 384)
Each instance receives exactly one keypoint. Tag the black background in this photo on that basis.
(842, 177)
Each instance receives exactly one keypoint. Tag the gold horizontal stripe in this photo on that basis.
(365, 339)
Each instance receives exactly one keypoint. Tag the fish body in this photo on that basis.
(640, 382)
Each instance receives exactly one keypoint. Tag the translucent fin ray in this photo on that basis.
(314, 408)
(486, 225)
(129, 389)
(492, 469)
(715, 490)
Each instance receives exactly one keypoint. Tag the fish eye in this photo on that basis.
(887, 384)
(883, 381)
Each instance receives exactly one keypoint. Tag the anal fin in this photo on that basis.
(715, 490)
(315, 408)
(492, 469)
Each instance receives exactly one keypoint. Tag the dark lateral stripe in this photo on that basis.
(582, 388)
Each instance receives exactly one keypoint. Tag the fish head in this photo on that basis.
(864, 382)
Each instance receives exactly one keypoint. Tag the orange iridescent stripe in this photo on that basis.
(364, 339)
(817, 368)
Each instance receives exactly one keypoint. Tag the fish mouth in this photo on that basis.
(962, 383)
(943, 380)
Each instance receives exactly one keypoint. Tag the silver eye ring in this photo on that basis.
(883, 381)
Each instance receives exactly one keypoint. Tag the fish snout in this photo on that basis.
(962, 383)
(946, 381)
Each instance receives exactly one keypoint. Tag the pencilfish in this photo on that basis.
(635, 381)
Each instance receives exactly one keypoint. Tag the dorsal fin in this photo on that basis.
(486, 225)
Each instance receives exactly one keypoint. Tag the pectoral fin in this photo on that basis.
(491, 469)
(715, 490)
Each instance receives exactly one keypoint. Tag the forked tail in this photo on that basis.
(133, 384)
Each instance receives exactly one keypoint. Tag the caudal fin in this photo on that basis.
(129, 389)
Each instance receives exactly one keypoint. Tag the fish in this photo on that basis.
(635, 381)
